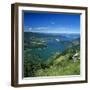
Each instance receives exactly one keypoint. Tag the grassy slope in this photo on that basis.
(58, 64)
(61, 64)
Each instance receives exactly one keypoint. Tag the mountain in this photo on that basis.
(61, 36)
(62, 64)
(51, 54)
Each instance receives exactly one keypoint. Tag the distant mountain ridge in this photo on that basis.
(63, 36)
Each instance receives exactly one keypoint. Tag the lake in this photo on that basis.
(45, 45)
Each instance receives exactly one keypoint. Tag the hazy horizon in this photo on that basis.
(54, 32)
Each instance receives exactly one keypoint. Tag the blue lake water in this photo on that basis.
(55, 43)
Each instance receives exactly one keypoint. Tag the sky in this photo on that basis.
(51, 22)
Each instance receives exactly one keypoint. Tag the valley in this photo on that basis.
(51, 54)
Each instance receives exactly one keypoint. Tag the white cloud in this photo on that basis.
(53, 23)
(41, 28)
(51, 30)
(29, 29)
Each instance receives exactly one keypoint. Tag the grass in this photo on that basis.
(61, 66)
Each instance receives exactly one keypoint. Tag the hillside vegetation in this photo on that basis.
(36, 64)
(61, 64)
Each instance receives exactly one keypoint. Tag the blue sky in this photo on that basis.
(51, 22)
